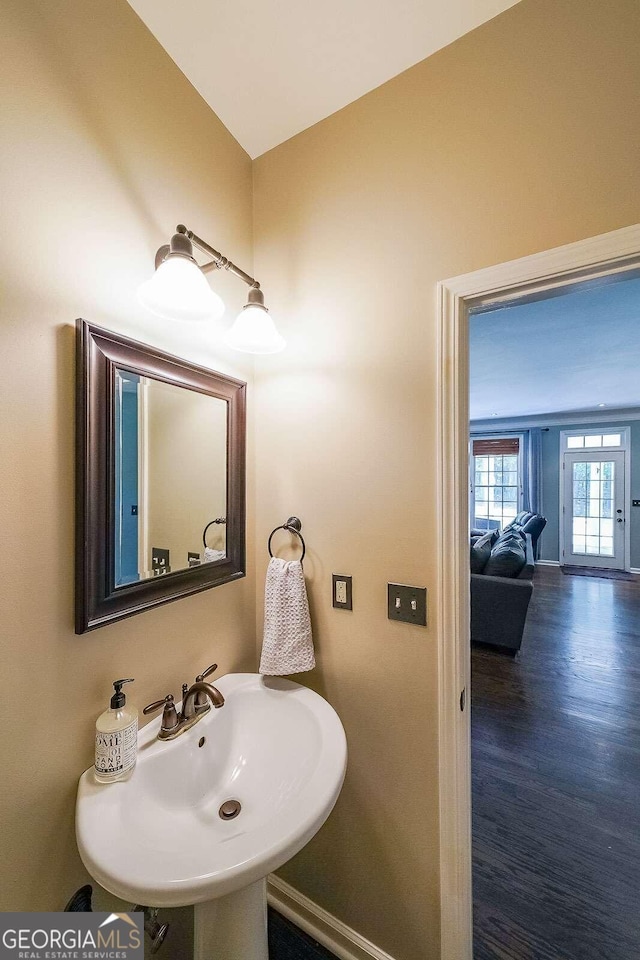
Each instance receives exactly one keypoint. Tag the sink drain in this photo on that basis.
(229, 810)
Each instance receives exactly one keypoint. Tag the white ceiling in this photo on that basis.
(564, 354)
(271, 68)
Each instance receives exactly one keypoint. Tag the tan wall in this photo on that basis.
(105, 148)
(518, 137)
(521, 136)
(187, 449)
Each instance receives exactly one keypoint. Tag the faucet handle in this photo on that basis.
(152, 707)
(207, 672)
(169, 716)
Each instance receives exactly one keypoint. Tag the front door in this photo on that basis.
(594, 501)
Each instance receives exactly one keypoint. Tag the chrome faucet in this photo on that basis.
(196, 702)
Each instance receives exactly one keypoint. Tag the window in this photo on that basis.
(593, 440)
(495, 481)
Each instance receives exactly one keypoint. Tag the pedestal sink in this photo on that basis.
(276, 748)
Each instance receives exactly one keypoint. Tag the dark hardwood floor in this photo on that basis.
(288, 942)
(556, 778)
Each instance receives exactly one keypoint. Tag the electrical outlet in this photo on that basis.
(408, 604)
(342, 592)
(193, 559)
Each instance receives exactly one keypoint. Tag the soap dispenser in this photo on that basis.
(116, 738)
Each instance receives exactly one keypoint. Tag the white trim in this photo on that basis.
(538, 274)
(332, 933)
(625, 440)
(454, 658)
(507, 424)
(556, 563)
(600, 256)
(144, 553)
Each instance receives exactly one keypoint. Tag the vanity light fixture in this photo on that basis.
(178, 290)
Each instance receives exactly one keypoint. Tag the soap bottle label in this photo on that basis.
(116, 752)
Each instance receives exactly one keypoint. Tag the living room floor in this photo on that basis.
(556, 778)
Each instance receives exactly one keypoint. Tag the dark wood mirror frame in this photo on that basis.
(98, 600)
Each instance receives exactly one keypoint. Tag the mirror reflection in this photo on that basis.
(170, 478)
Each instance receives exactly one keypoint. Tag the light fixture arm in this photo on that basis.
(218, 261)
(179, 290)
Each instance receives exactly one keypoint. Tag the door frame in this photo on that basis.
(625, 447)
(144, 549)
(534, 277)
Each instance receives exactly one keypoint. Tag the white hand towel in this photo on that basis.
(210, 554)
(287, 645)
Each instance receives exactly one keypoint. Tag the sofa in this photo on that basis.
(526, 522)
(502, 570)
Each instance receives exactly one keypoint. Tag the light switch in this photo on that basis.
(408, 604)
(342, 592)
(160, 561)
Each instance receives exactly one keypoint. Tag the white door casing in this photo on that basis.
(595, 258)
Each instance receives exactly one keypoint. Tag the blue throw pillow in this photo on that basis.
(507, 558)
(481, 551)
(514, 533)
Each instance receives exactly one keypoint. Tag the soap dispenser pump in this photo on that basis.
(116, 738)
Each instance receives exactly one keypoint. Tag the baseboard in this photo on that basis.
(556, 563)
(332, 933)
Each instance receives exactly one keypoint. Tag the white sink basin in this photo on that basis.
(158, 839)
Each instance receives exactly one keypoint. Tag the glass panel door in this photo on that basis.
(594, 509)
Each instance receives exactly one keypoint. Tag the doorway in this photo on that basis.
(595, 494)
(538, 276)
(594, 509)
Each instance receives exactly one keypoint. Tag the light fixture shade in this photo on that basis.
(255, 332)
(178, 290)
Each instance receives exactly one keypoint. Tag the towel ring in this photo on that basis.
(293, 525)
(204, 532)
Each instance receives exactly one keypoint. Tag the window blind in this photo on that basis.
(498, 447)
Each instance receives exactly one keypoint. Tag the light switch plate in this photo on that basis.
(160, 561)
(342, 592)
(408, 604)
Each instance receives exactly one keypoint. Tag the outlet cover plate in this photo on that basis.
(408, 604)
(342, 592)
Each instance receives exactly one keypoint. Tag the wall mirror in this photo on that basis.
(160, 469)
